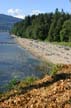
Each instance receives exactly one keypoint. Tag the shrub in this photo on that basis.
(29, 80)
(55, 69)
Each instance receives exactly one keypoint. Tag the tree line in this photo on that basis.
(49, 26)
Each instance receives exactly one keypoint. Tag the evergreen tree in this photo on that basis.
(43, 26)
(65, 34)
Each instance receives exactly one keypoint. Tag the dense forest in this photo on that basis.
(49, 26)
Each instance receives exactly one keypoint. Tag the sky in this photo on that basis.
(22, 8)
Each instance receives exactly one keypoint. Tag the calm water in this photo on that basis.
(15, 62)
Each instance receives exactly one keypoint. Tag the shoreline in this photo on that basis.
(46, 51)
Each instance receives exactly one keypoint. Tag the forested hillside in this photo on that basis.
(49, 26)
(6, 22)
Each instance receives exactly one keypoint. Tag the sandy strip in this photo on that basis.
(46, 51)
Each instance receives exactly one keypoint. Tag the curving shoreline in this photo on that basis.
(49, 52)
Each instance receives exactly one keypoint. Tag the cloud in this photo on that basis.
(35, 12)
(16, 13)
(19, 13)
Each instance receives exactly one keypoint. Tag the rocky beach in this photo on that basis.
(49, 52)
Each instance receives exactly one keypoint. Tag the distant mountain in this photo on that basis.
(6, 22)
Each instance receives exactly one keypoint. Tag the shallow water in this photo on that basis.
(15, 61)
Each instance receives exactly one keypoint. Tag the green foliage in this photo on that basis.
(45, 67)
(15, 84)
(48, 26)
(65, 34)
(55, 69)
(29, 80)
(52, 30)
(63, 43)
(11, 84)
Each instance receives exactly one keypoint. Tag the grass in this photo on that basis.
(11, 85)
(17, 84)
(29, 80)
(45, 67)
(14, 86)
(55, 69)
(49, 68)
(63, 43)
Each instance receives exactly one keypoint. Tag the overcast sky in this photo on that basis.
(22, 8)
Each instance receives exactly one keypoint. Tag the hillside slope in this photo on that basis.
(6, 22)
(49, 92)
